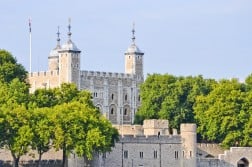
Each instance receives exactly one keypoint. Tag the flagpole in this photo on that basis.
(30, 44)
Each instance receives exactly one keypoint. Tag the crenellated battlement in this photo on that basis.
(44, 73)
(170, 139)
(151, 127)
(105, 74)
(208, 145)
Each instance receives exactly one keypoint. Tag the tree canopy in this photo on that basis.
(10, 69)
(222, 109)
(170, 97)
(61, 118)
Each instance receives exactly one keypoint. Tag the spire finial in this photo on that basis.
(58, 37)
(133, 33)
(69, 29)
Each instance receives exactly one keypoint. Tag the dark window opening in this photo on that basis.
(155, 154)
(125, 154)
(141, 154)
(125, 111)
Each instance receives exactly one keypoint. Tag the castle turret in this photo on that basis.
(69, 61)
(53, 58)
(189, 144)
(134, 59)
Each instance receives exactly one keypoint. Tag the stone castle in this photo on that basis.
(115, 94)
(118, 98)
(152, 145)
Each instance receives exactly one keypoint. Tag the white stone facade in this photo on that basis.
(115, 94)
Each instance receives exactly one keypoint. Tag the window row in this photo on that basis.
(141, 154)
(95, 94)
(155, 154)
(125, 111)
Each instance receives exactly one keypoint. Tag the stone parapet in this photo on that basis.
(150, 139)
(105, 74)
(44, 73)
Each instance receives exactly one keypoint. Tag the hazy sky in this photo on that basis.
(179, 37)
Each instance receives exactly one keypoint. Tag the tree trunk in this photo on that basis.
(15, 161)
(39, 160)
(64, 158)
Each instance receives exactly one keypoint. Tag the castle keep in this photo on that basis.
(118, 98)
(115, 94)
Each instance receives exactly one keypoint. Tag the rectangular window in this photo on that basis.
(155, 154)
(141, 154)
(125, 154)
(176, 154)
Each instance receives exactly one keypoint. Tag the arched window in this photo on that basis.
(125, 97)
(112, 96)
(125, 111)
(112, 111)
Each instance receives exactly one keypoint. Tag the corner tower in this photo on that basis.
(189, 144)
(134, 59)
(69, 61)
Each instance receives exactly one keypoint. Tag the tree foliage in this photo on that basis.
(170, 97)
(64, 117)
(224, 113)
(222, 109)
(10, 69)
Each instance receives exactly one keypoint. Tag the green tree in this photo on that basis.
(10, 69)
(80, 127)
(172, 98)
(17, 132)
(43, 98)
(153, 92)
(222, 114)
(42, 128)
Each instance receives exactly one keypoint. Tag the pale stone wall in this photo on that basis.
(206, 162)
(43, 79)
(5, 155)
(116, 94)
(156, 127)
(235, 154)
(189, 140)
(209, 150)
(141, 152)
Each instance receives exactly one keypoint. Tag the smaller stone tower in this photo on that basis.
(189, 144)
(53, 58)
(69, 61)
(134, 59)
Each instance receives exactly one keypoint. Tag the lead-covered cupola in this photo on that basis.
(53, 58)
(70, 45)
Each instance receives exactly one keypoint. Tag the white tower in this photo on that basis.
(134, 59)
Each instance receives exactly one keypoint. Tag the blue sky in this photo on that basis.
(211, 37)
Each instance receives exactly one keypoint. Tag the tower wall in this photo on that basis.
(189, 144)
(53, 63)
(134, 64)
(69, 67)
